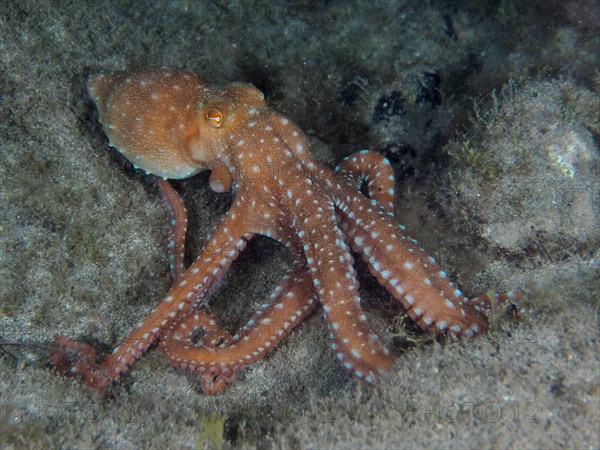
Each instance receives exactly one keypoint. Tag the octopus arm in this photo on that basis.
(405, 270)
(177, 231)
(222, 248)
(227, 240)
(290, 303)
(376, 171)
(330, 265)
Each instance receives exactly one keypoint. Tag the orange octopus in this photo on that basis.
(172, 123)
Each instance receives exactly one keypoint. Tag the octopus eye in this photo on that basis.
(214, 117)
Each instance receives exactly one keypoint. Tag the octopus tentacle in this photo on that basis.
(490, 301)
(375, 170)
(178, 227)
(289, 304)
(229, 238)
(330, 265)
(202, 326)
(413, 278)
(352, 167)
(77, 359)
(213, 334)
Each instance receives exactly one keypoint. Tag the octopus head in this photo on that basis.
(221, 121)
(171, 122)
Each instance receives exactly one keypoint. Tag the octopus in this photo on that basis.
(173, 124)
